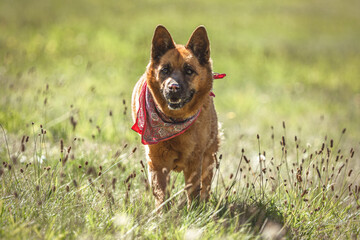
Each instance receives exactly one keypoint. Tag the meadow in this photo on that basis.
(288, 167)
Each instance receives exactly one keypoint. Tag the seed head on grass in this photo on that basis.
(127, 179)
(246, 160)
(298, 176)
(142, 164)
(22, 147)
(113, 183)
(342, 166)
(73, 122)
(75, 183)
(65, 159)
(61, 145)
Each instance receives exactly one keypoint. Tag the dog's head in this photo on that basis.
(180, 77)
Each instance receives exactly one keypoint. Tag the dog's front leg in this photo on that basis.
(158, 184)
(207, 175)
(192, 181)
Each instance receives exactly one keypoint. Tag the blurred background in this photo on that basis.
(71, 66)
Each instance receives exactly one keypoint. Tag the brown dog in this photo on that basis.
(173, 110)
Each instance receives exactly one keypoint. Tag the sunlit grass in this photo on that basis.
(76, 188)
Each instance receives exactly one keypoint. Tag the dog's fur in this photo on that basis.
(193, 151)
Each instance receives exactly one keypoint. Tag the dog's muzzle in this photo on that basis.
(176, 96)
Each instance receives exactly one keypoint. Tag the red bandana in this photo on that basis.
(153, 125)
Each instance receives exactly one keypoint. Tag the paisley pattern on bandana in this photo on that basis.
(153, 125)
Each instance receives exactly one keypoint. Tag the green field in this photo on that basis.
(67, 69)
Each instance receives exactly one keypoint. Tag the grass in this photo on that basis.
(289, 108)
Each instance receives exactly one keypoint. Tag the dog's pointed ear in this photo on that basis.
(161, 43)
(199, 44)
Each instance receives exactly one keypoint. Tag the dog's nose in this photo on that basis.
(174, 87)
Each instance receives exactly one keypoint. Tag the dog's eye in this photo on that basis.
(165, 70)
(189, 71)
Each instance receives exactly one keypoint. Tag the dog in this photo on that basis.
(173, 111)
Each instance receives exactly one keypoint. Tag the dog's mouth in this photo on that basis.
(177, 102)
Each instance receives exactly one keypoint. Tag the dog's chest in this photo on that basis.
(173, 154)
(178, 153)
